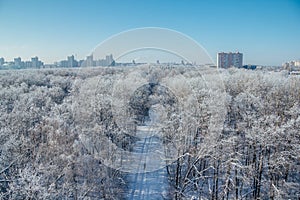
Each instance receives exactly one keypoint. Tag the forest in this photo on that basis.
(228, 134)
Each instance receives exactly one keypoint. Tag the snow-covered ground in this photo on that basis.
(150, 180)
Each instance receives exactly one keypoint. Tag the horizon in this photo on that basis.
(267, 33)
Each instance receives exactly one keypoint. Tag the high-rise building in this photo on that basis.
(63, 63)
(89, 61)
(226, 60)
(101, 62)
(18, 62)
(109, 59)
(2, 61)
(81, 63)
(72, 62)
(27, 64)
(36, 63)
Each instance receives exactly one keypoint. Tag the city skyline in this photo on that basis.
(266, 32)
(224, 60)
(69, 62)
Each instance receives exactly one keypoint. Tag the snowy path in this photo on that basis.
(150, 180)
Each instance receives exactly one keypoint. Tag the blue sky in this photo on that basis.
(267, 32)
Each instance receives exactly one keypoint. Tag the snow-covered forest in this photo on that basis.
(232, 134)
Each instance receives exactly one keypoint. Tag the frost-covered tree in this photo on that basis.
(233, 135)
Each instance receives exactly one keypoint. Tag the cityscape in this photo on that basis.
(224, 60)
(70, 62)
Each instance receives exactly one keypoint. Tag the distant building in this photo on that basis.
(101, 62)
(36, 63)
(226, 60)
(27, 64)
(50, 65)
(109, 60)
(63, 63)
(80, 63)
(253, 67)
(2, 61)
(89, 61)
(18, 62)
(72, 62)
(292, 65)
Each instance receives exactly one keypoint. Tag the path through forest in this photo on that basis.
(150, 181)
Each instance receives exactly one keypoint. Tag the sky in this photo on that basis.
(266, 32)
